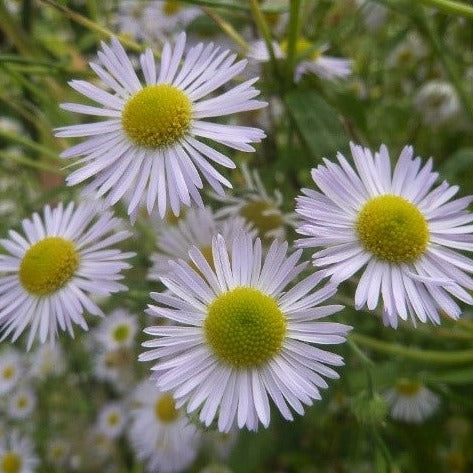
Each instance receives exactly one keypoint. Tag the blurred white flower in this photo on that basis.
(112, 420)
(17, 454)
(11, 369)
(437, 102)
(117, 330)
(410, 401)
(21, 403)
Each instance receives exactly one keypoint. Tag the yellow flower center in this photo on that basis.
(407, 387)
(157, 116)
(244, 327)
(165, 409)
(11, 463)
(22, 402)
(48, 265)
(304, 49)
(113, 419)
(8, 372)
(171, 7)
(121, 333)
(393, 229)
(262, 215)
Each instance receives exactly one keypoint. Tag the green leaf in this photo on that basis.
(317, 123)
(457, 167)
(460, 376)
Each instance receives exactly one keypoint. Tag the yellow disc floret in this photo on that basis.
(393, 229)
(165, 409)
(407, 387)
(263, 215)
(244, 327)
(8, 372)
(171, 7)
(11, 463)
(48, 265)
(121, 333)
(304, 48)
(113, 419)
(157, 116)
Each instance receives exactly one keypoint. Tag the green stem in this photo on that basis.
(30, 163)
(448, 6)
(240, 6)
(91, 25)
(425, 26)
(30, 144)
(292, 40)
(426, 356)
(227, 28)
(265, 32)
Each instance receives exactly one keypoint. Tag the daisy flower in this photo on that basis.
(47, 360)
(242, 336)
(396, 225)
(51, 270)
(152, 139)
(149, 22)
(310, 59)
(197, 228)
(437, 102)
(116, 367)
(257, 207)
(11, 370)
(410, 401)
(160, 433)
(21, 403)
(17, 455)
(117, 330)
(112, 420)
(58, 452)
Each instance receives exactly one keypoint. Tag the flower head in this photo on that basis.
(21, 403)
(310, 59)
(112, 420)
(152, 139)
(51, 270)
(160, 433)
(404, 232)
(257, 207)
(239, 335)
(411, 401)
(11, 369)
(117, 330)
(16, 454)
(197, 228)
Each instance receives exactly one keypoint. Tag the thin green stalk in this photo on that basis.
(426, 356)
(237, 6)
(425, 26)
(265, 32)
(93, 26)
(30, 163)
(448, 6)
(292, 40)
(30, 144)
(227, 28)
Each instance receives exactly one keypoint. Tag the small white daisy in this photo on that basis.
(437, 102)
(221, 443)
(21, 403)
(116, 367)
(257, 207)
(374, 14)
(410, 401)
(11, 369)
(309, 59)
(50, 271)
(404, 232)
(151, 141)
(58, 452)
(117, 330)
(47, 360)
(244, 337)
(17, 454)
(112, 420)
(151, 21)
(197, 228)
(161, 434)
